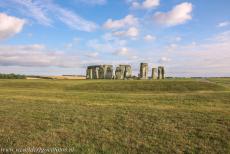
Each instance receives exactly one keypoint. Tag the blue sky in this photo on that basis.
(55, 37)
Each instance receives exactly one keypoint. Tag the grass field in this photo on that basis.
(172, 116)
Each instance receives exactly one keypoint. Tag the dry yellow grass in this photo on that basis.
(68, 77)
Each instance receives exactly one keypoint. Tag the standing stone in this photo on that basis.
(123, 72)
(89, 73)
(105, 72)
(128, 71)
(161, 72)
(144, 71)
(101, 72)
(154, 73)
(96, 72)
(119, 73)
(108, 71)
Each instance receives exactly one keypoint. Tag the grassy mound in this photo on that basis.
(116, 85)
(148, 86)
(44, 113)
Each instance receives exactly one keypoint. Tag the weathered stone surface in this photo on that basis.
(154, 73)
(161, 72)
(123, 72)
(92, 72)
(144, 71)
(95, 72)
(99, 72)
(108, 71)
(119, 73)
(89, 73)
(128, 71)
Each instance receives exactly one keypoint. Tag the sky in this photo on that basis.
(57, 37)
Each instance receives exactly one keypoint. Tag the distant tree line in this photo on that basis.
(12, 76)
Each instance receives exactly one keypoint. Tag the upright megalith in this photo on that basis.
(144, 71)
(92, 72)
(161, 72)
(123, 72)
(119, 73)
(154, 74)
(95, 72)
(106, 72)
(99, 72)
(89, 73)
(128, 71)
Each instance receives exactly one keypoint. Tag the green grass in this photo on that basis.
(221, 81)
(148, 86)
(172, 116)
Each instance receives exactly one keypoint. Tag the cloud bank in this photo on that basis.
(35, 56)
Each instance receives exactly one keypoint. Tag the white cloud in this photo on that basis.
(73, 43)
(33, 9)
(92, 54)
(222, 37)
(120, 42)
(178, 15)
(150, 3)
(125, 52)
(163, 60)
(99, 46)
(108, 37)
(129, 20)
(122, 52)
(178, 39)
(107, 46)
(71, 19)
(146, 4)
(127, 27)
(223, 24)
(46, 12)
(10, 25)
(132, 32)
(136, 5)
(149, 38)
(35, 56)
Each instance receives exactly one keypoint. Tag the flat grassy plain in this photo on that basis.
(96, 116)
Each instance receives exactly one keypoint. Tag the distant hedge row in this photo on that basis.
(12, 76)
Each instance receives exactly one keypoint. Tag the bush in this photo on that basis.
(12, 76)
